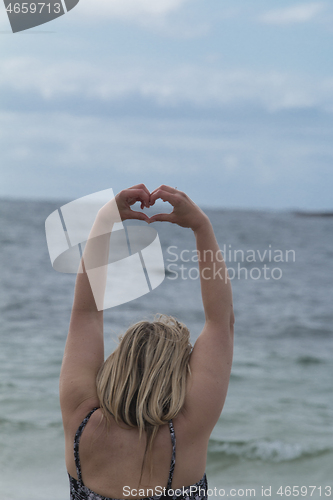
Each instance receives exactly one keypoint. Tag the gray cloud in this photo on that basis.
(300, 13)
(137, 10)
(254, 159)
(202, 86)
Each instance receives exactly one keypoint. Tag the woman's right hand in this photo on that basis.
(185, 212)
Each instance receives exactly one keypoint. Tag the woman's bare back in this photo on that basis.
(111, 457)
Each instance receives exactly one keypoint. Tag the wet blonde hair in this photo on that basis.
(143, 382)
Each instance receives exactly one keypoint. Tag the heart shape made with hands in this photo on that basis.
(136, 195)
(159, 203)
(151, 213)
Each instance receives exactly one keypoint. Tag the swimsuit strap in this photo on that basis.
(173, 457)
(77, 441)
(76, 444)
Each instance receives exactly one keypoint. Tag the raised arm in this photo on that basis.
(212, 353)
(84, 350)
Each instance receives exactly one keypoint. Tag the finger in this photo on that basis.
(162, 218)
(165, 196)
(131, 214)
(138, 194)
(132, 195)
(141, 186)
(164, 188)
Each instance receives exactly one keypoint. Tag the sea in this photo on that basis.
(274, 437)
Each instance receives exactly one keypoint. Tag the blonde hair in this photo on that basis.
(143, 382)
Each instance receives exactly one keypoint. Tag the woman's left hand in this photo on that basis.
(126, 198)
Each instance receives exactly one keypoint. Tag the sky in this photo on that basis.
(230, 101)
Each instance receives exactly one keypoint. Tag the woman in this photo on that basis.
(123, 415)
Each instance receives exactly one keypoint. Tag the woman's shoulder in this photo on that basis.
(88, 411)
(186, 430)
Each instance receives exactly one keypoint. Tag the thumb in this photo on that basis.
(162, 218)
(137, 215)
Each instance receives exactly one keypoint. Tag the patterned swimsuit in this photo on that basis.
(78, 491)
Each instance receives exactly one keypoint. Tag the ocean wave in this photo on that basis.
(14, 306)
(12, 426)
(264, 450)
(299, 330)
(8, 385)
(309, 360)
(236, 376)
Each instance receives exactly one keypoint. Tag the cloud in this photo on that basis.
(152, 14)
(253, 160)
(290, 15)
(202, 87)
(127, 9)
